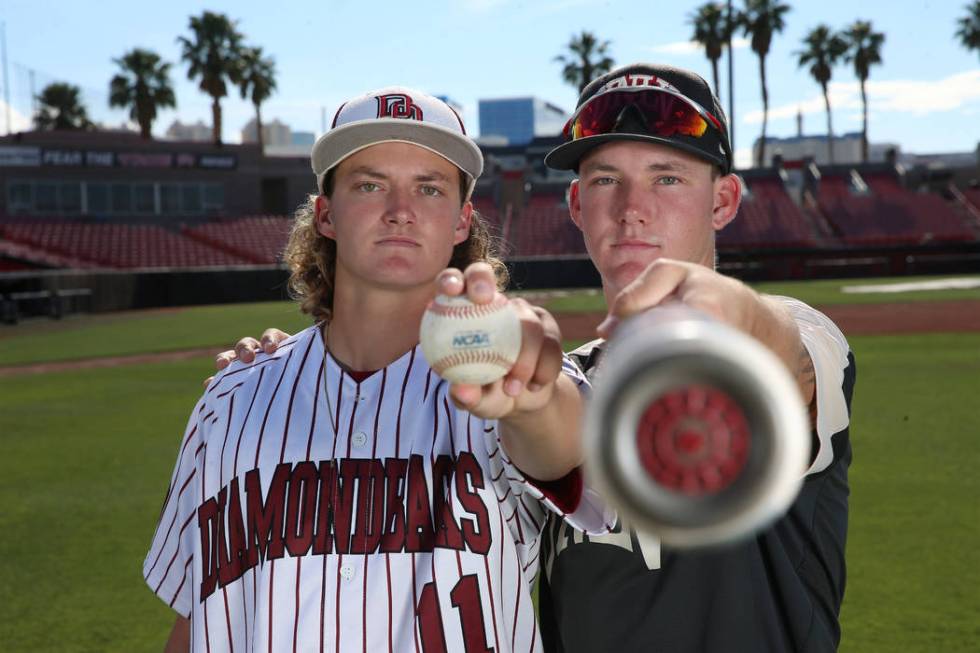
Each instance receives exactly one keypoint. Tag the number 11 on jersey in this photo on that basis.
(465, 597)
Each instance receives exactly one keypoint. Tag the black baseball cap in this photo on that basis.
(647, 102)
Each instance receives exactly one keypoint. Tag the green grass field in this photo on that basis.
(816, 293)
(87, 455)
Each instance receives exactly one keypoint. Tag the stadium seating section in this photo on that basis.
(768, 217)
(847, 210)
(885, 213)
(973, 197)
(258, 240)
(117, 245)
(543, 228)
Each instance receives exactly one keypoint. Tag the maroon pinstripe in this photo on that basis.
(183, 487)
(340, 557)
(401, 403)
(248, 413)
(374, 454)
(204, 463)
(182, 581)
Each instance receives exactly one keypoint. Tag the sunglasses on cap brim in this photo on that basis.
(664, 113)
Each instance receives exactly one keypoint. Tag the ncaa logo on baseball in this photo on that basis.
(469, 343)
(471, 339)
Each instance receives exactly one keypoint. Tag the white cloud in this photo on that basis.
(692, 47)
(18, 121)
(917, 97)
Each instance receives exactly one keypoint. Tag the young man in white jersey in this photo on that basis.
(338, 495)
(650, 148)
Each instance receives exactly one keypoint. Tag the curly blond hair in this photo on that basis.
(312, 258)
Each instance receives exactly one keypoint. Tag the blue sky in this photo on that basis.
(926, 96)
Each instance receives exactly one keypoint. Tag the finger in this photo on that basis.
(246, 348)
(658, 281)
(550, 358)
(532, 337)
(465, 395)
(224, 359)
(487, 401)
(208, 381)
(271, 339)
(481, 284)
(449, 282)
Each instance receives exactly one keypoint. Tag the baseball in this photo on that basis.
(470, 343)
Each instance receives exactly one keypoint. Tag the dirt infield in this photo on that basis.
(106, 361)
(857, 319)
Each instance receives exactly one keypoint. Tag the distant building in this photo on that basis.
(847, 149)
(519, 120)
(274, 133)
(196, 133)
(108, 176)
(303, 138)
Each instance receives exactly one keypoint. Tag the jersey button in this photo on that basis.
(359, 439)
(347, 572)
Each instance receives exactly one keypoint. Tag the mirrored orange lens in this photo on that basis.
(664, 115)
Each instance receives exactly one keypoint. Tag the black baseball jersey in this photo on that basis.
(780, 591)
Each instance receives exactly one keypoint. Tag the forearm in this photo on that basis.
(547, 443)
(774, 326)
(180, 637)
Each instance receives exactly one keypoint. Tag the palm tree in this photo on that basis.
(258, 78)
(864, 50)
(212, 53)
(762, 19)
(580, 66)
(969, 30)
(143, 85)
(823, 50)
(710, 30)
(61, 108)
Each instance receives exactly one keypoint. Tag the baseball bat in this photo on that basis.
(695, 432)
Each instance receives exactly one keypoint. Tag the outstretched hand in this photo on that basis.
(723, 298)
(529, 384)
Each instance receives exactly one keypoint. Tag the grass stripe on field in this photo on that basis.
(138, 332)
(913, 582)
(87, 457)
(816, 293)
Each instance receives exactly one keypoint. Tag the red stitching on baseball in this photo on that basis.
(466, 357)
(468, 311)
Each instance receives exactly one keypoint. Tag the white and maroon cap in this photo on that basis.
(399, 114)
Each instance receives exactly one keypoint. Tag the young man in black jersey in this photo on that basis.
(650, 146)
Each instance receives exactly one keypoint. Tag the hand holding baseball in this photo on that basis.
(529, 383)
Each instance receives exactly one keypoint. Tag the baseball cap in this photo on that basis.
(400, 114)
(646, 102)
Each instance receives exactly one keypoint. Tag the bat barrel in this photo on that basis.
(695, 431)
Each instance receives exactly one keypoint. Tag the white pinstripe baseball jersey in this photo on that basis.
(309, 511)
